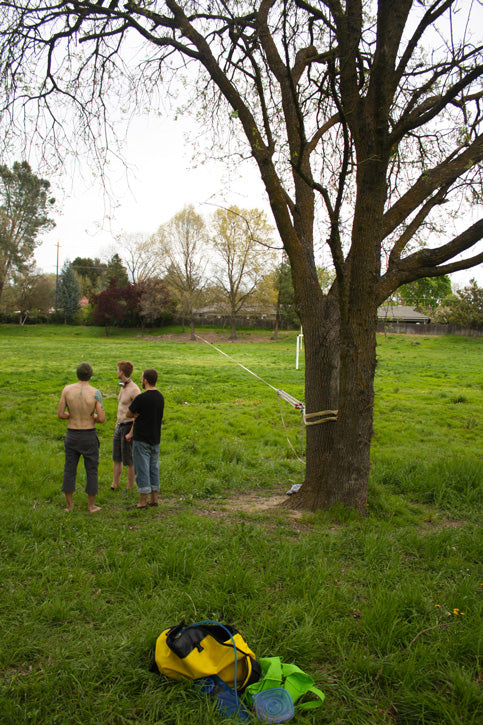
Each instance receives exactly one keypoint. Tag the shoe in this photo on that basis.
(153, 503)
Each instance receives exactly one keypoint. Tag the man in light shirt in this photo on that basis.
(122, 446)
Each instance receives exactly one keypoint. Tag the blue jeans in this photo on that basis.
(146, 466)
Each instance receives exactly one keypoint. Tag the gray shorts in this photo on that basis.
(121, 448)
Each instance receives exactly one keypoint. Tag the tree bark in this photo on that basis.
(340, 363)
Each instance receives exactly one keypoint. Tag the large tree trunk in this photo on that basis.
(339, 376)
(340, 364)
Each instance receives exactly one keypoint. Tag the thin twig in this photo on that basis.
(428, 629)
(192, 602)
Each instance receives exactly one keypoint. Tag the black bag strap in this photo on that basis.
(184, 638)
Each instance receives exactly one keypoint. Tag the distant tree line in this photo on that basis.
(190, 268)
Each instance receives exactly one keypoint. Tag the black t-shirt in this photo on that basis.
(147, 426)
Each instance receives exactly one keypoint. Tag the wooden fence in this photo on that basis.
(412, 328)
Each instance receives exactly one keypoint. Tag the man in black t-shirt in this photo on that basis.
(147, 410)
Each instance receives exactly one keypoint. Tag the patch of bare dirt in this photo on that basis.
(213, 337)
(250, 503)
(437, 523)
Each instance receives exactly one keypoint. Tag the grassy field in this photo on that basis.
(385, 612)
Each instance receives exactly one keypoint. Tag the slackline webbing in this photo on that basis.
(237, 363)
(322, 416)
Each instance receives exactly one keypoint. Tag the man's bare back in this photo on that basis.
(81, 405)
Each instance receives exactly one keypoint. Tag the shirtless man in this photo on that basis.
(122, 447)
(81, 404)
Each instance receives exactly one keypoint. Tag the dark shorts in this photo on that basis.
(121, 448)
(79, 443)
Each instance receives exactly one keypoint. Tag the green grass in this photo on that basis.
(384, 612)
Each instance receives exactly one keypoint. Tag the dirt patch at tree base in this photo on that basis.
(249, 503)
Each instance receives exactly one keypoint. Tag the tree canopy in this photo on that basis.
(24, 205)
(465, 308)
(241, 241)
(181, 245)
(426, 293)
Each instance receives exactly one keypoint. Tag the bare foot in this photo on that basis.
(69, 508)
(93, 509)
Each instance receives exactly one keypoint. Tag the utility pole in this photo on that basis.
(57, 280)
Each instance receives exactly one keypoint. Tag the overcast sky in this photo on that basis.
(163, 178)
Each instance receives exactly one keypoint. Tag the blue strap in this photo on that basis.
(209, 621)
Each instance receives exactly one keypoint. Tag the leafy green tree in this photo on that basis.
(355, 128)
(427, 293)
(69, 293)
(91, 275)
(465, 308)
(115, 269)
(95, 276)
(34, 292)
(181, 246)
(30, 293)
(241, 240)
(24, 205)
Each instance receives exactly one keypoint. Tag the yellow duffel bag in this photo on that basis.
(205, 649)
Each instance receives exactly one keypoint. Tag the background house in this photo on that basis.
(401, 313)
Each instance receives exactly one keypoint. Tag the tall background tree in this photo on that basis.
(181, 247)
(29, 293)
(34, 293)
(356, 129)
(69, 292)
(94, 275)
(241, 240)
(24, 208)
(115, 269)
(139, 255)
(90, 273)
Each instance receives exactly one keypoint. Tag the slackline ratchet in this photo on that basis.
(322, 416)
